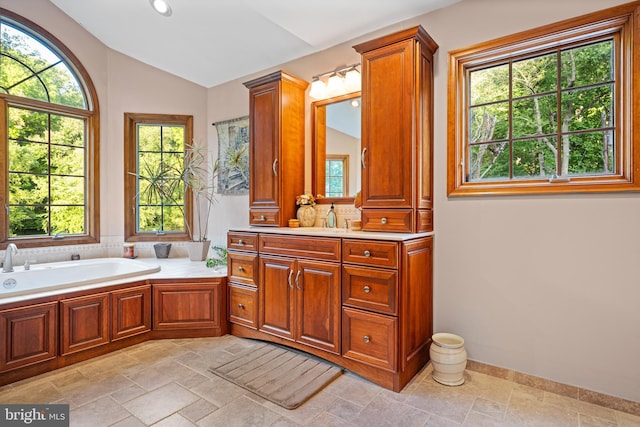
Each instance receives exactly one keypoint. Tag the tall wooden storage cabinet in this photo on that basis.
(276, 115)
(397, 135)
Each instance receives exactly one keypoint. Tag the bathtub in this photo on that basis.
(70, 274)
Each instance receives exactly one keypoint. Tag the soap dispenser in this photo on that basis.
(332, 221)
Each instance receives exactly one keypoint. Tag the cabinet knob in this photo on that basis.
(367, 254)
(261, 217)
(240, 242)
(383, 220)
(366, 339)
(241, 306)
(367, 289)
(241, 268)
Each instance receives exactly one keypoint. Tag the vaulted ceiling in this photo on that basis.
(211, 42)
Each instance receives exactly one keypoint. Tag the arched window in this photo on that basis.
(49, 142)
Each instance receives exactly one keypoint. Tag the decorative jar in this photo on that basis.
(448, 358)
(306, 215)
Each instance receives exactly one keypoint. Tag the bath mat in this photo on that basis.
(283, 376)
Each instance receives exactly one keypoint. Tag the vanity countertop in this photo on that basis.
(334, 232)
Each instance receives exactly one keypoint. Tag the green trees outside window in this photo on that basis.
(47, 138)
(549, 115)
(547, 110)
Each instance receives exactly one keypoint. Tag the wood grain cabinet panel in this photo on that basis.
(300, 301)
(370, 338)
(130, 312)
(243, 268)
(186, 305)
(28, 335)
(243, 305)
(397, 131)
(276, 147)
(84, 322)
(370, 289)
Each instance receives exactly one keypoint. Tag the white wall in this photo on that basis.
(546, 285)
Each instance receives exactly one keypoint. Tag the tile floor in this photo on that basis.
(166, 383)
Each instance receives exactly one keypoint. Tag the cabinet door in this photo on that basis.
(318, 304)
(387, 126)
(28, 335)
(264, 154)
(277, 296)
(84, 322)
(187, 305)
(130, 312)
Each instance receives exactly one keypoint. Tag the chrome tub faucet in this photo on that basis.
(7, 264)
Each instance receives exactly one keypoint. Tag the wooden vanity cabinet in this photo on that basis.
(397, 132)
(28, 335)
(276, 145)
(299, 292)
(365, 304)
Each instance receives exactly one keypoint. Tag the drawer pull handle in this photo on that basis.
(261, 217)
(367, 289)
(240, 242)
(362, 160)
(241, 306)
(274, 166)
(367, 254)
(241, 268)
(297, 280)
(289, 279)
(366, 339)
(383, 220)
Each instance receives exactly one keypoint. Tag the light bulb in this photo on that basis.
(318, 89)
(335, 85)
(352, 81)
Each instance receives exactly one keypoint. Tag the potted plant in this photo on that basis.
(169, 182)
(198, 174)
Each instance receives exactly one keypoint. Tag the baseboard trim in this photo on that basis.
(543, 384)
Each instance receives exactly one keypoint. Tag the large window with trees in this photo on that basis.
(548, 110)
(157, 204)
(48, 117)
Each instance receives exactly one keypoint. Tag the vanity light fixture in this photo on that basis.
(336, 82)
(161, 6)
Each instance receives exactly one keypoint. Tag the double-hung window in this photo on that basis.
(548, 110)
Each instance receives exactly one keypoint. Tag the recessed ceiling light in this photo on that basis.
(161, 6)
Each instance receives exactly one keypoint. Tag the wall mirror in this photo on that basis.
(336, 148)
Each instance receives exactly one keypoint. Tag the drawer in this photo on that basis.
(370, 288)
(264, 217)
(322, 248)
(389, 220)
(425, 220)
(369, 338)
(243, 268)
(242, 241)
(243, 306)
(370, 252)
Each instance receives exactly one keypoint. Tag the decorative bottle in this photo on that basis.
(331, 217)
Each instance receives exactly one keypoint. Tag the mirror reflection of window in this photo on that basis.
(337, 175)
(336, 148)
